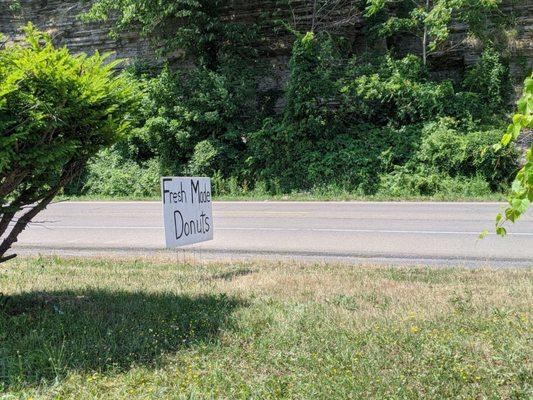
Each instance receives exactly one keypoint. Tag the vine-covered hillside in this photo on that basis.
(367, 98)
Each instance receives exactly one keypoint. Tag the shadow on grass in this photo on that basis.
(231, 275)
(43, 336)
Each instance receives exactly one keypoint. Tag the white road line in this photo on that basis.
(330, 230)
(333, 230)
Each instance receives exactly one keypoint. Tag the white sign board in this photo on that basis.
(187, 210)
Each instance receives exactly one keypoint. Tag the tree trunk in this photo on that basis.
(425, 37)
(21, 224)
(313, 20)
(71, 170)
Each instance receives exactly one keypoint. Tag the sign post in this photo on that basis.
(187, 210)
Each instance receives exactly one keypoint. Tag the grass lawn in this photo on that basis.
(80, 328)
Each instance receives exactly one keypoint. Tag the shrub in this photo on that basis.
(387, 91)
(403, 182)
(56, 112)
(203, 159)
(488, 79)
(447, 149)
(443, 147)
(287, 149)
(346, 120)
(188, 111)
(346, 126)
(111, 175)
(481, 158)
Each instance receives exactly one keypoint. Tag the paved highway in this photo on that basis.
(355, 232)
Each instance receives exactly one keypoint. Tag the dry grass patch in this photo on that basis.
(108, 328)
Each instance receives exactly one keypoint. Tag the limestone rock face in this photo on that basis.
(60, 19)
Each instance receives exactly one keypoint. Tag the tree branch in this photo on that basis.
(5, 220)
(7, 258)
(70, 171)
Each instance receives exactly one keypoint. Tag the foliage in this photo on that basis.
(195, 27)
(289, 148)
(487, 79)
(195, 118)
(451, 161)
(348, 122)
(522, 188)
(394, 92)
(56, 112)
(111, 175)
(195, 121)
(341, 124)
(447, 149)
(404, 182)
(430, 20)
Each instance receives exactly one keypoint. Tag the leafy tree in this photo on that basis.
(186, 28)
(522, 188)
(56, 112)
(285, 149)
(195, 121)
(429, 20)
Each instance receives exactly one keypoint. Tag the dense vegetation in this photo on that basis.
(56, 112)
(368, 123)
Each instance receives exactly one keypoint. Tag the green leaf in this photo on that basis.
(501, 231)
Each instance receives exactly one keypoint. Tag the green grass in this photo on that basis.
(75, 328)
(305, 197)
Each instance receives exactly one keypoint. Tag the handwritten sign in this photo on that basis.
(187, 210)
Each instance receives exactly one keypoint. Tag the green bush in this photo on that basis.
(111, 175)
(403, 182)
(488, 79)
(187, 112)
(346, 126)
(288, 149)
(56, 112)
(347, 120)
(387, 91)
(447, 149)
(443, 147)
(204, 158)
(497, 167)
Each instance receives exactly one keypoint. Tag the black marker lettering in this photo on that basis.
(176, 214)
(165, 191)
(194, 189)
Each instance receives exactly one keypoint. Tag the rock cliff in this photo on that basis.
(60, 19)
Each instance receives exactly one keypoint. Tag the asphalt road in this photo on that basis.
(355, 232)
